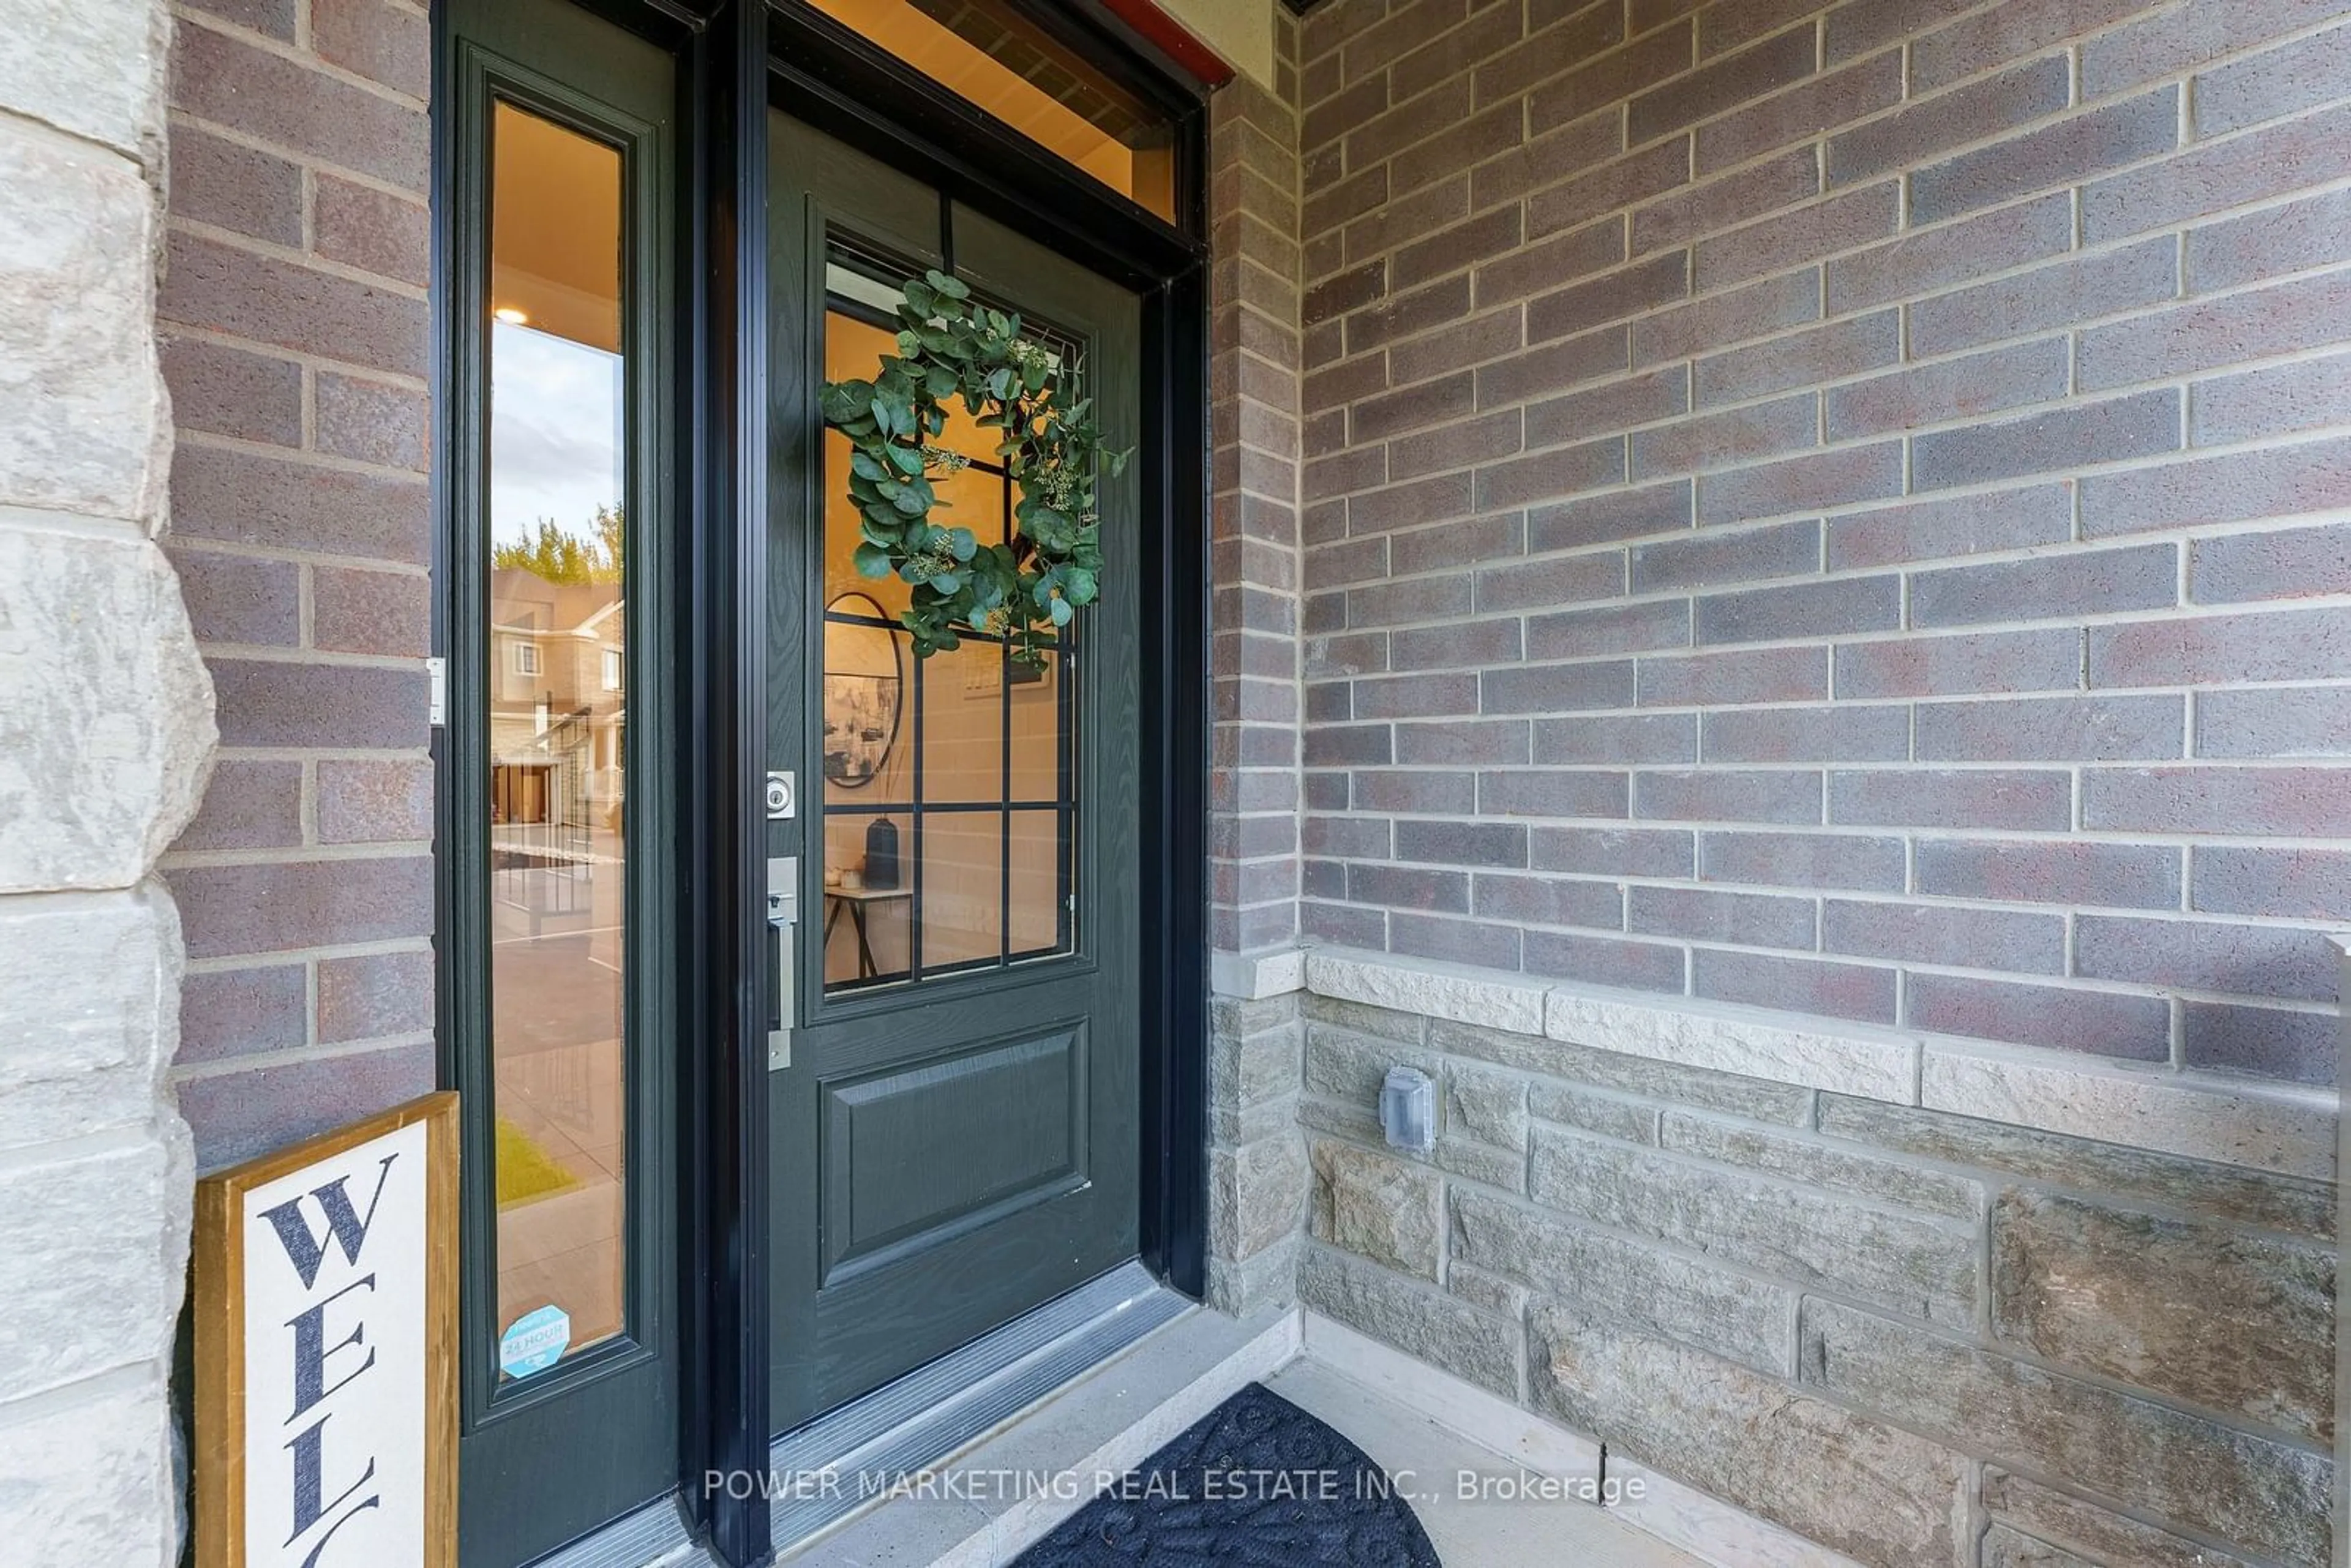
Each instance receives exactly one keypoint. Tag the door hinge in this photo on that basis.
(437, 691)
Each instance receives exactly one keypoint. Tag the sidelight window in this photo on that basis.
(558, 542)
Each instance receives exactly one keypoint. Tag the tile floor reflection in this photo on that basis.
(556, 984)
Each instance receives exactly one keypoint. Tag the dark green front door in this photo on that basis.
(954, 1109)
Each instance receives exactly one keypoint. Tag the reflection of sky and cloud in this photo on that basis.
(555, 417)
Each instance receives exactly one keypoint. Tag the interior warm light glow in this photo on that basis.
(559, 232)
(511, 316)
(984, 52)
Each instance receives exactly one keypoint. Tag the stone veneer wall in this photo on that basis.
(105, 731)
(1838, 507)
(297, 338)
(1921, 1338)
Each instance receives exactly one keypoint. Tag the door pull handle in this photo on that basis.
(783, 915)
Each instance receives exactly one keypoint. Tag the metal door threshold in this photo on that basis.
(653, 1536)
(904, 1425)
(934, 1410)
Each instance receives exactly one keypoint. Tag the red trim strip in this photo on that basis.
(1172, 40)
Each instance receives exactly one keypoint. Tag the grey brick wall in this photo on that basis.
(295, 339)
(1256, 1163)
(1924, 1340)
(1837, 507)
(1253, 371)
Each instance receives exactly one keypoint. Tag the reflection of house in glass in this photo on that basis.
(556, 712)
(559, 717)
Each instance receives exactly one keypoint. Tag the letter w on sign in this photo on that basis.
(306, 1250)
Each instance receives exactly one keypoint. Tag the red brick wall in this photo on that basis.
(1834, 507)
(296, 338)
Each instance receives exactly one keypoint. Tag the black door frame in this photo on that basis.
(738, 58)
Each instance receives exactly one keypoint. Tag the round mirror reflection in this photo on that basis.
(863, 690)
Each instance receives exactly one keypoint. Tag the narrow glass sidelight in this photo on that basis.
(558, 674)
(950, 783)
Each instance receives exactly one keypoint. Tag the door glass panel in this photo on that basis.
(1040, 732)
(869, 897)
(963, 724)
(970, 865)
(866, 705)
(841, 538)
(558, 670)
(1037, 894)
(975, 498)
(962, 906)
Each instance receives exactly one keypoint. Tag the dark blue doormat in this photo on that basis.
(1255, 1481)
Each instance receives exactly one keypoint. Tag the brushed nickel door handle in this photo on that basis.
(783, 917)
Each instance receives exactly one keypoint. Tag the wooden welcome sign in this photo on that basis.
(326, 1349)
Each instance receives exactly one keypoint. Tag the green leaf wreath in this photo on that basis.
(1027, 589)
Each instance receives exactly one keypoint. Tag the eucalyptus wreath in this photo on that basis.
(1027, 589)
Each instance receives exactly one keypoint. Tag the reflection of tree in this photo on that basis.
(558, 555)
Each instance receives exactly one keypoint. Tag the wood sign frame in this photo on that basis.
(343, 1353)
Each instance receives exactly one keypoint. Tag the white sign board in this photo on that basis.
(325, 1395)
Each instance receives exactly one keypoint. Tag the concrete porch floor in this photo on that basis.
(1406, 1416)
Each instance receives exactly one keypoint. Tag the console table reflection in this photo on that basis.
(856, 900)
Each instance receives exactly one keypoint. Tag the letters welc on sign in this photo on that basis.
(326, 1354)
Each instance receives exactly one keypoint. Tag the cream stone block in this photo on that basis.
(92, 1243)
(106, 710)
(90, 1011)
(1253, 977)
(1855, 1483)
(2281, 1128)
(96, 71)
(1850, 1058)
(1456, 991)
(1257, 1195)
(85, 423)
(1378, 1208)
(86, 1478)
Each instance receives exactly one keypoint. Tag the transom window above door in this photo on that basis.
(950, 783)
(988, 54)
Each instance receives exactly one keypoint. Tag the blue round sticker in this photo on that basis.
(535, 1342)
